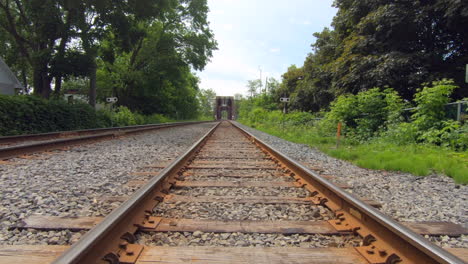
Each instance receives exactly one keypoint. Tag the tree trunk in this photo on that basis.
(41, 79)
(37, 81)
(25, 80)
(46, 90)
(92, 84)
(58, 85)
(41, 83)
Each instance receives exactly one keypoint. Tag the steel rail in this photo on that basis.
(51, 135)
(13, 151)
(415, 240)
(107, 236)
(84, 250)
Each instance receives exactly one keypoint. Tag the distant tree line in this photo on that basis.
(141, 51)
(377, 43)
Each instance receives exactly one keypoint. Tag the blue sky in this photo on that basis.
(270, 34)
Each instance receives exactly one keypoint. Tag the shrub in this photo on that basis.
(157, 119)
(400, 133)
(29, 114)
(430, 101)
(300, 118)
(123, 117)
(104, 118)
(366, 114)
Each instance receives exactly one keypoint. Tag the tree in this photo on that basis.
(35, 27)
(206, 98)
(385, 43)
(399, 44)
(151, 72)
(119, 41)
(253, 86)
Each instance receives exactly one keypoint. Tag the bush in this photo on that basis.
(29, 114)
(366, 114)
(157, 119)
(104, 118)
(430, 121)
(430, 111)
(123, 117)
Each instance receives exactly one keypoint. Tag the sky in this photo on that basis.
(264, 36)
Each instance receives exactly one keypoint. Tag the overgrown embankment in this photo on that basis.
(375, 133)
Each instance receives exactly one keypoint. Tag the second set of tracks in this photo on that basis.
(14, 146)
(212, 177)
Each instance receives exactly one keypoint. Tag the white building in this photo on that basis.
(9, 84)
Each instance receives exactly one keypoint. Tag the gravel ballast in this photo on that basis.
(405, 197)
(72, 182)
(260, 191)
(199, 238)
(75, 183)
(235, 211)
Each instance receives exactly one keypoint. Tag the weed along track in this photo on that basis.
(233, 199)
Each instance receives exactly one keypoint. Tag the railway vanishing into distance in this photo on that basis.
(239, 201)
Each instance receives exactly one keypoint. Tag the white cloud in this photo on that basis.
(228, 72)
(224, 87)
(231, 64)
(248, 39)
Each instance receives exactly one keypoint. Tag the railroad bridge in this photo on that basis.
(224, 108)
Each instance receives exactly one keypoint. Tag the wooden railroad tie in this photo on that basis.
(191, 225)
(45, 254)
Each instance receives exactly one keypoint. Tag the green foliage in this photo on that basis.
(259, 116)
(378, 44)
(254, 87)
(142, 53)
(420, 160)
(430, 102)
(366, 114)
(380, 154)
(375, 134)
(157, 119)
(206, 98)
(429, 119)
(29, 114)
(75, 84)
(104, 118)
(401, 133)
(124, 117)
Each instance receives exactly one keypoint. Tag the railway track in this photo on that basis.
(213, 203)
(13, 146)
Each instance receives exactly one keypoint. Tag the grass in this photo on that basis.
(417, 159)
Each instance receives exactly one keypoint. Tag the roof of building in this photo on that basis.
(8, 80)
